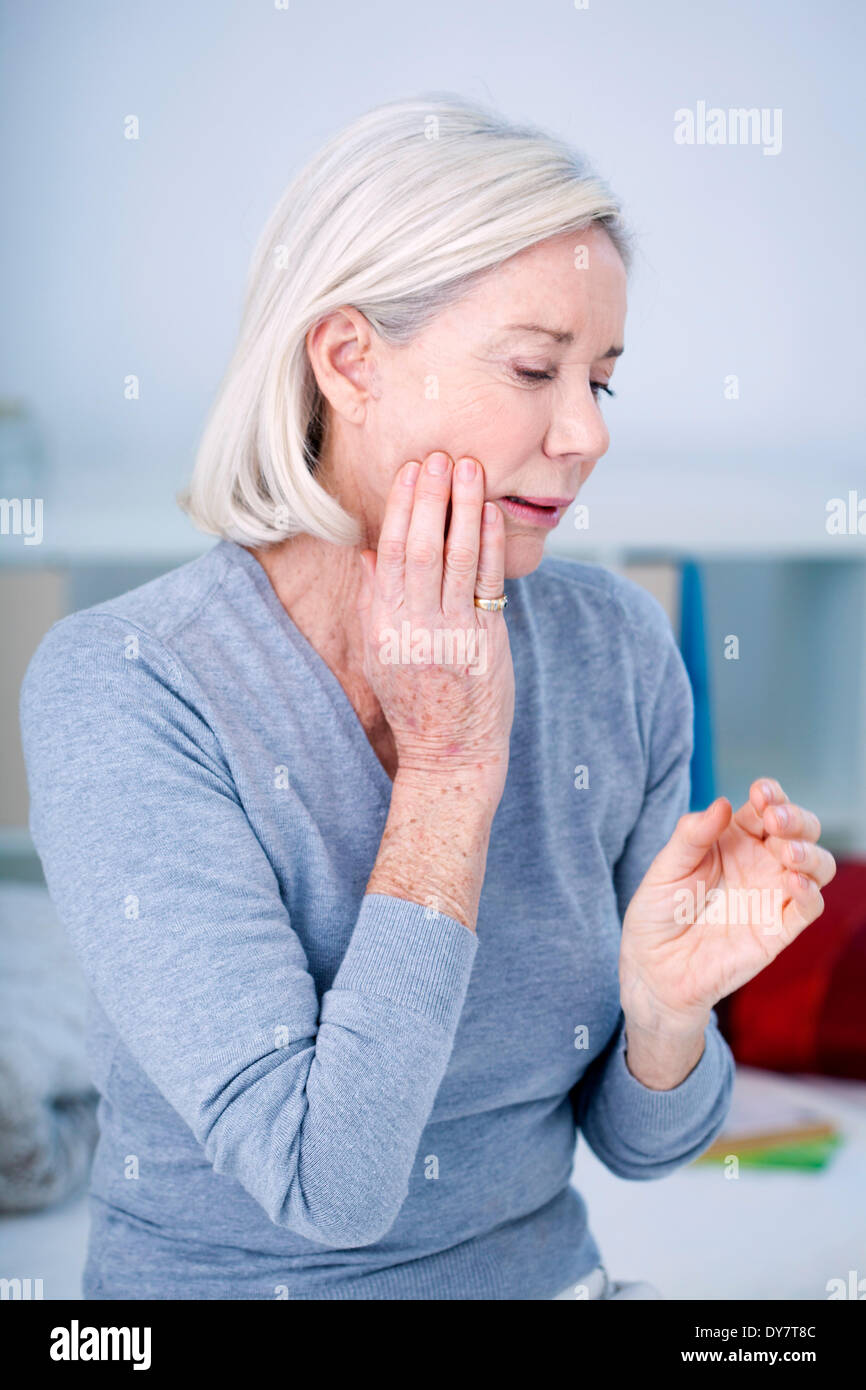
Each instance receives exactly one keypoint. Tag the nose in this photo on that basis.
(577, 427)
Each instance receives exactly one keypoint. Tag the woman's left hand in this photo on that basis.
(724, 897)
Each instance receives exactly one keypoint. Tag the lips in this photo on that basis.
(544, 501)
(538, 511)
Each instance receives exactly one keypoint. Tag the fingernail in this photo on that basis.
(437, 464)
(466, 470)
(803, 881)
(798, 850)
(782, 815)
(767, 790)
(410, 473)
(488, 514)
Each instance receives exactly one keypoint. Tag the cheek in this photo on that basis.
(397, 429)
(495, 424)
(429, 406)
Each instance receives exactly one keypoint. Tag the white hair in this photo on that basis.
(397, 215)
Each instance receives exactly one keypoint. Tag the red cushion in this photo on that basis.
(806, 1012)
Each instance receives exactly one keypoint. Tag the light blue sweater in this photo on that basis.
(312, 1092)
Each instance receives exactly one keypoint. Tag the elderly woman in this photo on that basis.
(365, 953)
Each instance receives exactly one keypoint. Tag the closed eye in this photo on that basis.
(601, 386)
(528, 374)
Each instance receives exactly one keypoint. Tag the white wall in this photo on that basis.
(131, 256)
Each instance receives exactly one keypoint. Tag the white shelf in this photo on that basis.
(91, 536)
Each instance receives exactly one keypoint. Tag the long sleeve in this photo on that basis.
(640, 1133)
(637, 1132)
(316, 1106)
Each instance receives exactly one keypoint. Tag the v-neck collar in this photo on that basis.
(317, 667)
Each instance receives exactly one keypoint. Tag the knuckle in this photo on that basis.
(391, 551)
(422, 553)
(488, 580)
(432, 491)
(461, 559)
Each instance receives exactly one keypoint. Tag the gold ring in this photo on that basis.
(492, 605)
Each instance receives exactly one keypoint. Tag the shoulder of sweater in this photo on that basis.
(148, 617)
(559, 582)
(164, 606)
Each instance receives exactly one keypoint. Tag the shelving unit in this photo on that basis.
(793, 703)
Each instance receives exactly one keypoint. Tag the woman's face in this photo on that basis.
(512, 374)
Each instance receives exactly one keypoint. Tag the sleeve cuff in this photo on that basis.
(666, 1112)
(416, 957)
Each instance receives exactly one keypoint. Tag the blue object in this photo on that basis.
(694, 652)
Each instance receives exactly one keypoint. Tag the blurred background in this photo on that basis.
(143, 150)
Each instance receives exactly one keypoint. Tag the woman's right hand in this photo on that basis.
(440, 667)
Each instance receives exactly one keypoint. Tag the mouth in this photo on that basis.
(538, 511)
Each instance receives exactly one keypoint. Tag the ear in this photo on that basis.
(340, 350)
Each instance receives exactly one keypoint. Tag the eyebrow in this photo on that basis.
(559, 335)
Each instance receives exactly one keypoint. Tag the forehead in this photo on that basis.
(574, 283)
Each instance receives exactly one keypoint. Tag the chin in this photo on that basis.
(523, 554)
